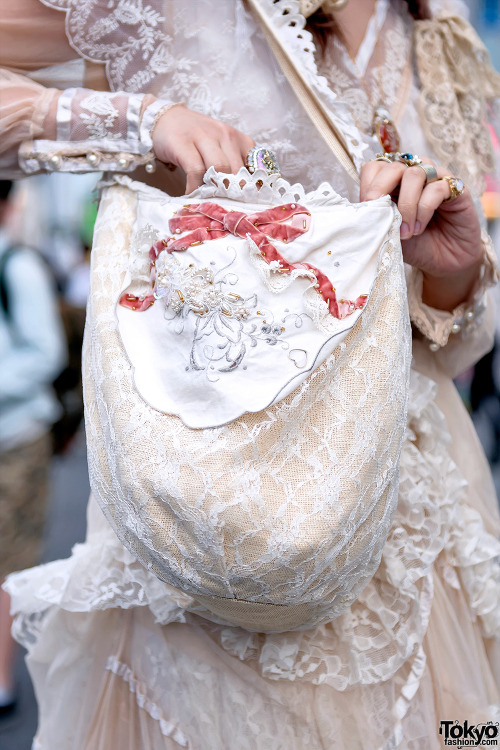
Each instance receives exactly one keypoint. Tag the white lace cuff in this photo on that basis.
(96, 131)
(438, 325)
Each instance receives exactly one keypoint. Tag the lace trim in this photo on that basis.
(386, 81)
(93, 35)
(454, 94)
(258, 188)
(290, 25)
(139, 689)
(438, 325)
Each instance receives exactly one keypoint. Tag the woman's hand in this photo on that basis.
(441, 239)
(195, 142)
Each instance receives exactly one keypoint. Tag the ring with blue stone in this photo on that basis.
(411, 160)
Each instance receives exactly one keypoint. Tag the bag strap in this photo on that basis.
(309, 100)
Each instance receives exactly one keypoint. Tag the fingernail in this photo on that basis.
(417, 228)
(405, 230)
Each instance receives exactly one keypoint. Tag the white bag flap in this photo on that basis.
(230, 330)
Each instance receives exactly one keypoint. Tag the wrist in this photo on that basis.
(436, 323)
(150, 117)
(448, 292)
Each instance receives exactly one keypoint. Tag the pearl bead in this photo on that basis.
(456, 328)
(93, 159)
(123, 162)
(55, 161)
(470, 315)
(434, 347)
(150, 167)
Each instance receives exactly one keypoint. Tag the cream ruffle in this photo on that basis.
(380, 634)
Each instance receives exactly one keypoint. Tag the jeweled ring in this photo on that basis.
(384, 157)
(411, 160)
(431, 174)
(456, 186)
(261, 157)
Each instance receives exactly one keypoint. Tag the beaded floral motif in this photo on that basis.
(222, 332)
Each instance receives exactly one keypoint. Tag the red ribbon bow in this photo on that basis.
(209, 221)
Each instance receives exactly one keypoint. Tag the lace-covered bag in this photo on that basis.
(246, 371)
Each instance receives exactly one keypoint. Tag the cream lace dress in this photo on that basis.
(118, 658)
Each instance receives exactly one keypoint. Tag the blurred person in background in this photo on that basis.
(32, 353)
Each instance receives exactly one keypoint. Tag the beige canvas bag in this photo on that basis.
(263, 491)
(276, 519)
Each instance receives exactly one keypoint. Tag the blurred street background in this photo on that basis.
(55, 214)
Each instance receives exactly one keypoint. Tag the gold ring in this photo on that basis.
(431, 174)
(456, 186)
(383, 157)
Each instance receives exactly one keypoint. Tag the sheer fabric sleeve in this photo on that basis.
(27, 112)
(96, 130)
(77, 130)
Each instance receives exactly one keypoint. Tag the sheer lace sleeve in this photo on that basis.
(26, 111)
(76, 130)
(97, 130)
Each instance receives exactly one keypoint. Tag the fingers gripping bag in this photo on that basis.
(246, 367)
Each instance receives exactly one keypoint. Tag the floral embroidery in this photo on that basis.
(222, 332)
(195, 289)
(99, 116)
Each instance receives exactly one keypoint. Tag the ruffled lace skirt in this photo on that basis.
(121, 660)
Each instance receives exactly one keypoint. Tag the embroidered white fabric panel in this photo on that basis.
(233, 333)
